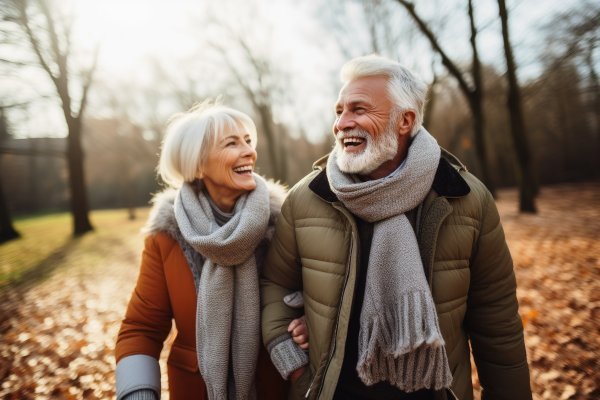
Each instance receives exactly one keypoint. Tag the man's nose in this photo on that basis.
(344, 122)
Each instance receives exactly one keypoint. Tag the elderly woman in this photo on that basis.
(200, 266)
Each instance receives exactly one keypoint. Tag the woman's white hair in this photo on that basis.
(192, 135)
(406, 90)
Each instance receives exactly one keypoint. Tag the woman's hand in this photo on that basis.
(294, 376)
(297, 328)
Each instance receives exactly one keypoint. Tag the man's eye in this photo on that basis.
(359, 110)
(338, 112)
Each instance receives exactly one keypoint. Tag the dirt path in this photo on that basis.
(58, 337)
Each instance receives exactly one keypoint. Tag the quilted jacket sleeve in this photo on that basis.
(492, 318)
(281, 276)
(148, 318)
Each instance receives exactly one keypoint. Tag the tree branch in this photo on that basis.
(236, 74)
(452, 68)
(23, 20)
(87, 83)
(476, 68)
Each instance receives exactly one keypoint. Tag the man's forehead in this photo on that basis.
(353, 96)
(362, 89)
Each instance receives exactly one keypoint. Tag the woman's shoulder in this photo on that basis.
(162, 215)
(277, 194)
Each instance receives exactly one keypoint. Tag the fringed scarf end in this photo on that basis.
(404, 346)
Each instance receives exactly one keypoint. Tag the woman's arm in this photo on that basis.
(146, 324)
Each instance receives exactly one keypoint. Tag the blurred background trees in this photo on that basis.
(64, 138)
(46, 31)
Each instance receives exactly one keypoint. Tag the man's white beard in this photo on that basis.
(376, 152)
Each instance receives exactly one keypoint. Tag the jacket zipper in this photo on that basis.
(337, 321)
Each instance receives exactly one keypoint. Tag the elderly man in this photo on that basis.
(401, 259)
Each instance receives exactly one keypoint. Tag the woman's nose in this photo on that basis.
(249, 151)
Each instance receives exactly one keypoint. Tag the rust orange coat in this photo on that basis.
(165, 292)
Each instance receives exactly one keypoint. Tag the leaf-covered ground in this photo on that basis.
(57, 333)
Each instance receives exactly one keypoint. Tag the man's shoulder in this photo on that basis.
(476, 186)
(301, 188)
(306, 200)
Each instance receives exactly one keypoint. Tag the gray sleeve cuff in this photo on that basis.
(137, 372)
(286, 355)
(142, 394)
(294, 300)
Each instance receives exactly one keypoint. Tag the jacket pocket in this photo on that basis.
(298, 389)
(183, 358)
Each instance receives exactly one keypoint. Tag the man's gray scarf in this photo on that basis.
(399, 338)
(228, 305)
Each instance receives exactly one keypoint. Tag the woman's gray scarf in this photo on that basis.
(399, 338)
(228, 305)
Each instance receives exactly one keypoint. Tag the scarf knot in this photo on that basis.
(399, 338)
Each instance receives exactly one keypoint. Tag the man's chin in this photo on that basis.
(353, 164)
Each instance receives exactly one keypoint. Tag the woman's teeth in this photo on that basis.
(244, 169)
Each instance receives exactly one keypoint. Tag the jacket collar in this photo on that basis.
(446, 183)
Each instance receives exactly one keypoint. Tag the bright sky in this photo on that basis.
(131, 30)
(134, 32)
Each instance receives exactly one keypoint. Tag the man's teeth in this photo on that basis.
(246, 168)
(352, 141)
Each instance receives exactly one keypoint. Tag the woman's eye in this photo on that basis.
(229, 144)
(249, 141)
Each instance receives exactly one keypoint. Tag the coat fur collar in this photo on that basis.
(162, 215)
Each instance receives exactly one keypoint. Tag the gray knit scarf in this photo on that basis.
(228, 305)
(399, 338)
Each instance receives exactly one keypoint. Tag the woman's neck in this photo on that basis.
(223, 200)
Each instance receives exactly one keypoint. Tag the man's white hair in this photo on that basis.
(192, 135)
(406, 90)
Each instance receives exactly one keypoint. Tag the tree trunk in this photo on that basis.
(54, 60)
(476, 102)
(79, 202)
(595, 97)
(429, 106)
(279, 168)
(7, 231)
(473, 94)
(480, 141)
(527, 184)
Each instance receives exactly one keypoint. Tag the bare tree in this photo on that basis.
(7, 230)
(574, 37)
(50, 39)
(527, 183)
(473, 92)
(256, 76)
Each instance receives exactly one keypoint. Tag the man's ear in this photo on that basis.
(406, 122)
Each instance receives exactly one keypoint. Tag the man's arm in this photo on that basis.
(281, 276)
(492, 318)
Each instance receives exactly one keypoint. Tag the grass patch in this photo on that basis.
(47, 243)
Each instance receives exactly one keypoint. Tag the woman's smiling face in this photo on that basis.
(227, 171)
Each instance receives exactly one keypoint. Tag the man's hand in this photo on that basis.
(297, 328)
(296, 374)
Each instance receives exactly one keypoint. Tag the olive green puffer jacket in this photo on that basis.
(466, 261)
